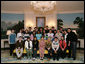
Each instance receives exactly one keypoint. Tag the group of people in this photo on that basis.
(55, 41)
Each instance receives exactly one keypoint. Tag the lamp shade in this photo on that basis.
(8, 32)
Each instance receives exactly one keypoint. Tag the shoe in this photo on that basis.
(42, 58)
(33, 58)
(57, 59)
(48, 59)
(54, 59)
(20, 58)
(74, 58)
(10, 54)
(69, 56)
(63, 57)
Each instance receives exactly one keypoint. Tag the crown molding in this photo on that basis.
(15, 12)
(24, 12)
(76, 11)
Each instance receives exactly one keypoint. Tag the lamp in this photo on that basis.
(8, 32)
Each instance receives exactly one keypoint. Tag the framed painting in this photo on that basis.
(40, 21)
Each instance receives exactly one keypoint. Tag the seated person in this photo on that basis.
(19, 48)
(38, 35)
(49, 48)
(35, 47)
(28, 47)
(55, 49)
(62, 47)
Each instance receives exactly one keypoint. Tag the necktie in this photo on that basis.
(28, 44)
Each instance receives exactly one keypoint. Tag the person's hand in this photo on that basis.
(34, 48)
(55, 51)
(19, 48)
(51, 54)
(62, 49)
(69, 43)
(48, 48)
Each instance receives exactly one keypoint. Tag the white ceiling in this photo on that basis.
(23, 6)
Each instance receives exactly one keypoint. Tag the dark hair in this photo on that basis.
(69, 28)
(35, 37)
(61, 27)
(46, 26)
(30, 27)
(65, 30)
(38, 32)
(52, 26)
(20, 36)
(35, 27)
(55, 38)
(12, 29)
(28, 37)
(54, 30)
(42, 36)
(50, 30)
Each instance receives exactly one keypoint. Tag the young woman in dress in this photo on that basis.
(41, 47)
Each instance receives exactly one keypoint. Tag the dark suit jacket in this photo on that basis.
(71, 37)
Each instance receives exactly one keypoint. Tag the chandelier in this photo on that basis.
(43, 6)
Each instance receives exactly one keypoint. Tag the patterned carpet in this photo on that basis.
(6, 58)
